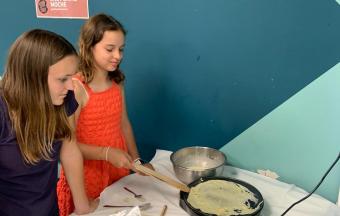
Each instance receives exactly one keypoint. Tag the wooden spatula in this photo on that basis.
(162, 177)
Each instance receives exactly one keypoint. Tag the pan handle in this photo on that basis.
(161, 177)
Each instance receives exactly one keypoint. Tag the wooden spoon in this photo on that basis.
(162, 177)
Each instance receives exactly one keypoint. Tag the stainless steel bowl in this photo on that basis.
(191, 163)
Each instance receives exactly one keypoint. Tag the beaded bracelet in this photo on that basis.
(106, 152)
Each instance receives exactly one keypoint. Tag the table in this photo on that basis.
(277, 195)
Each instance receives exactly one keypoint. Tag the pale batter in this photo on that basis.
(222, 198)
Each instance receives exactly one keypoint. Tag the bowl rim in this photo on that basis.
(197, 147)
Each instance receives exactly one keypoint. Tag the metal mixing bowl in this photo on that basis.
(191, 163)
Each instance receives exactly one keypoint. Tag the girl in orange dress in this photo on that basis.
(103, 130)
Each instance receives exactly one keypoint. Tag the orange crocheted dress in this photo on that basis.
(99, 124)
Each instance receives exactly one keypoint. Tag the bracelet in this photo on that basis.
(139, 160)
(106, 152)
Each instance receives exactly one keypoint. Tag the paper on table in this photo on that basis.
(133, 212)
(153, 190)
(268, 173)
(118, 196)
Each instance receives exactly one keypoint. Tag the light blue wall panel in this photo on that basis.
(299, 140)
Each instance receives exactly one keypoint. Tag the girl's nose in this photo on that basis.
(69, 85)
(118, 54)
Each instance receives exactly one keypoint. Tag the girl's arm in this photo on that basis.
(115, 156)
(72, 162)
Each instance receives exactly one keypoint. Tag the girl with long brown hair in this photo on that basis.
(103, 129)
(37, 106)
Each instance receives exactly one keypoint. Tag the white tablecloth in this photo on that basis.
(277, 195)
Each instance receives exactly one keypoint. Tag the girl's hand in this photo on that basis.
(118, 158)
(92, 206)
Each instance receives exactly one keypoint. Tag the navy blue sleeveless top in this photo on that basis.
(28, 190)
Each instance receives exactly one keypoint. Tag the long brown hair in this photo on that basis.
(91, 33)
(35, 120)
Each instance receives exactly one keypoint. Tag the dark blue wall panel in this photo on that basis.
(200, 72)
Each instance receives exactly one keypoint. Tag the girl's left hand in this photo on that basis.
(119, 158)
(92, 206)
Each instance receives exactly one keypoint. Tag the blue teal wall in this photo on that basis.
(201, 72)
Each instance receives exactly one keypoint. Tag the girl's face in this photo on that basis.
(60, 78)
(108, 52)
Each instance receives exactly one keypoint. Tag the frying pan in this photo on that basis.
(183, 202)
(185, 190)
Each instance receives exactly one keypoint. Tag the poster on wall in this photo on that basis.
(70, 9)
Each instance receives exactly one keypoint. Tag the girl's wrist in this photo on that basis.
(82, 207)
(139, 160)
